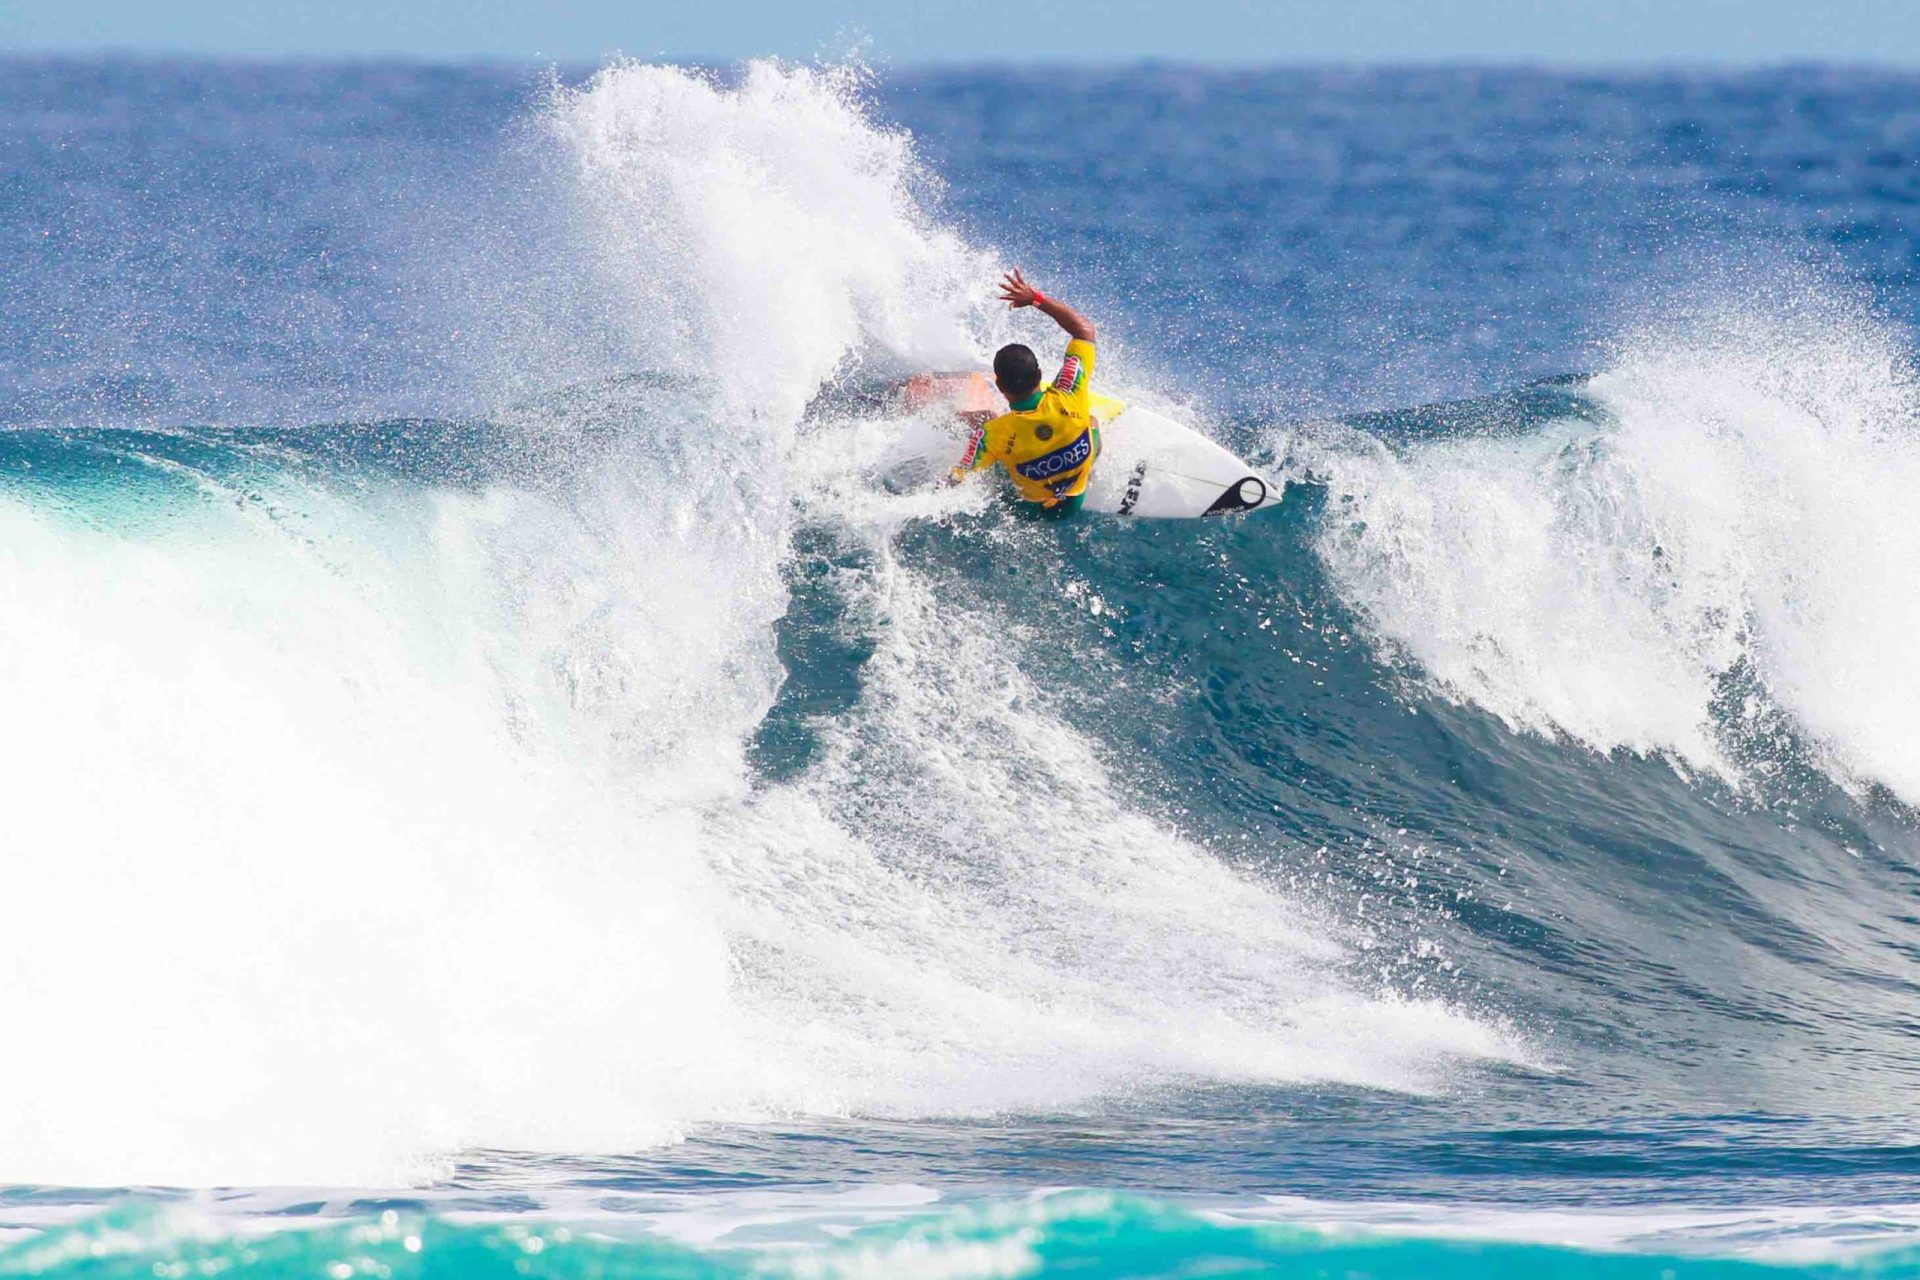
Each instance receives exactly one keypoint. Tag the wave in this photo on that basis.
(1699, 552)
(389, 791)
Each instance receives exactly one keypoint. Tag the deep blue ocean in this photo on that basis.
(494, 783)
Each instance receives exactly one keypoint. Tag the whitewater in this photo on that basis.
(491, 774)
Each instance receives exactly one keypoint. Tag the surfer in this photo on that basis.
(1048, 439)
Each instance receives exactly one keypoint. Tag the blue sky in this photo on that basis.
(1561, 31)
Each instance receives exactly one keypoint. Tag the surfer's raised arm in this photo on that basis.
(1015, 291)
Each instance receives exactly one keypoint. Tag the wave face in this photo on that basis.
(568, 775)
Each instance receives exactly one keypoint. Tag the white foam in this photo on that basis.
(1744, 506)
(306, 880)
(964, 912)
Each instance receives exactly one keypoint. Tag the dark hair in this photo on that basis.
(1016, 369)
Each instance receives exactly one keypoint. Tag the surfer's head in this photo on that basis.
(1016, 370)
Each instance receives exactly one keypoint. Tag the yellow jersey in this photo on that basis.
(1048, 441)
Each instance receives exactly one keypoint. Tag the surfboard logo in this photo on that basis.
(1069, 374)
(1066, 458)
(1135, 479)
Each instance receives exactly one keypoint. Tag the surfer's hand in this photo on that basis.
(1016, 292)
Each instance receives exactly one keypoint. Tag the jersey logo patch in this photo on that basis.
(1066, 458)
(1069, 374)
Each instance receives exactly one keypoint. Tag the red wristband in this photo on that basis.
(1038, 297)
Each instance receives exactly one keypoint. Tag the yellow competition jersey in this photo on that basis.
(1047, 442)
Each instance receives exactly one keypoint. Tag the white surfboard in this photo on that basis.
(1150, 466)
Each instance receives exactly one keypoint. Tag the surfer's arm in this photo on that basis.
(1016, 292)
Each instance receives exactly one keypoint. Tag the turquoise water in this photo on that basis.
(1068, 1233)
(497, 781)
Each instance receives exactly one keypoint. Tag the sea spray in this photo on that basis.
(760, 235)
